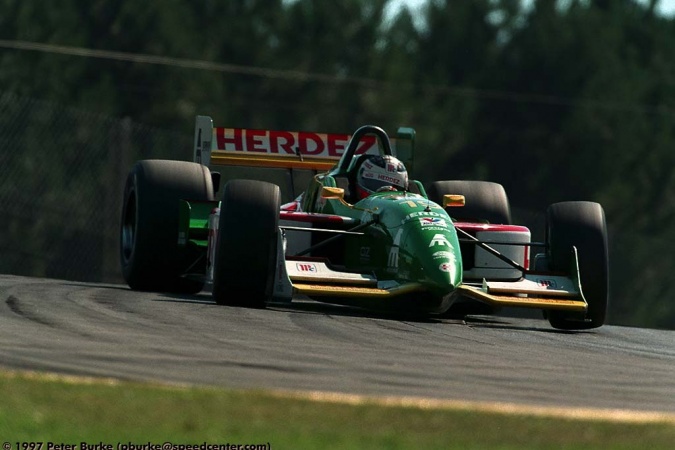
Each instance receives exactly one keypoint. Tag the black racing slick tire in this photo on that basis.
(246, 251)
(485, 201)
(582, 225)
(150, 256)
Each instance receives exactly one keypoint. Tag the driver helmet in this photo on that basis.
(380, 173)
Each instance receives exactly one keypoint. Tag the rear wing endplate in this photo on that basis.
(285, 149)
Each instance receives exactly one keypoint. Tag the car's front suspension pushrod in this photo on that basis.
(493, 251)
(336, 237)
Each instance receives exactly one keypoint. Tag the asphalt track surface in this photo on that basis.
(110, 331)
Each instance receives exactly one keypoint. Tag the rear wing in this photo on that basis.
(285, 149)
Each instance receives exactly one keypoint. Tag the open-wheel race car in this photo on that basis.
(361, 233)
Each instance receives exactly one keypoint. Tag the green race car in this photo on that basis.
(362, 232)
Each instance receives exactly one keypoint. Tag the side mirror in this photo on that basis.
(453, 200)
(332, 193)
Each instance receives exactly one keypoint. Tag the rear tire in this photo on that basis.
(580, 224)
(150, 257)
(485, 201)
(246, 250)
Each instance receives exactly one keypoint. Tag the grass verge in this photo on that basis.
(56, 410)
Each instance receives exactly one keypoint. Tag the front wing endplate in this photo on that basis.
(540, 291)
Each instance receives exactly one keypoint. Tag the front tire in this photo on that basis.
(485, 201)
(150, 257)
(582, 225)
(246, 250)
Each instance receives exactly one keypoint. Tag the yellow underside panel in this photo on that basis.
(355, 291)
(577, 305)
(556, 303)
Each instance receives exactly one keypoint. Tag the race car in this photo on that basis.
(396, 246)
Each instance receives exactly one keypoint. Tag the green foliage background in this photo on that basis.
(562, 100)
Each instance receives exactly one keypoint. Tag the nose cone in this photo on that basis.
(436, 257)
(442, 269)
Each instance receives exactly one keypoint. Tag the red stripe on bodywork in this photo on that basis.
(291, 207)
(314, 218)
(474, 227)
